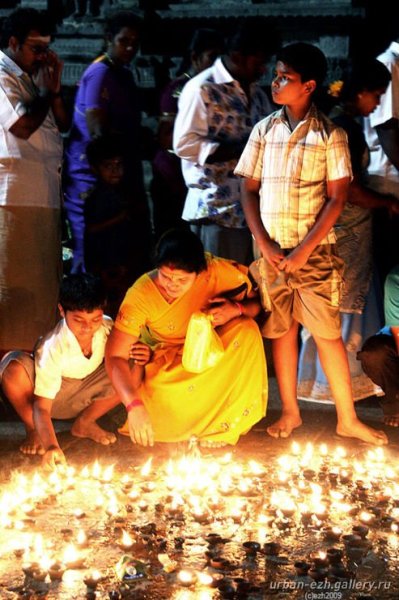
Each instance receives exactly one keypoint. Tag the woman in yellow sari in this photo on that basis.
(170, 404)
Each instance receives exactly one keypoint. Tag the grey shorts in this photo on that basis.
(75, 394)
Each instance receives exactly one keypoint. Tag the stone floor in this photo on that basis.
(318, 427)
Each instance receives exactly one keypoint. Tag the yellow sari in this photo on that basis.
(219, 404)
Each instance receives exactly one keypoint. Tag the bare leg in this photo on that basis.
(334, 361)
(285, 359)
(19, 390)
(85, 425)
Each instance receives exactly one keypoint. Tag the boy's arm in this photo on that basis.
(269, 249)
(337, 192)
(44, 426)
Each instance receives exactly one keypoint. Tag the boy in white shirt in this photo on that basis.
(66, 378)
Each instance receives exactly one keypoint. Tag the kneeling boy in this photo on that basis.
(66, 377)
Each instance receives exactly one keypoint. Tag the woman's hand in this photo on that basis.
(223, 310)
(140, 428)
(140, 353)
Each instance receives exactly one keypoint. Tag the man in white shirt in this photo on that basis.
(66, 378)
(382, 136)
(216, 112)
(32, 115)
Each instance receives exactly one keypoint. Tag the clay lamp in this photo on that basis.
(318, 573)
(218, 562)
(334, 555)
(352, 540)
(56, 571)
(126, 542)
(179, 541)
(271, 548)
(227, 589)
(213, 539)
(361, 530)
(92, 579)
(28, 568)
(186, 577)
(251, 548)
(331, 534)
(319, 558)
(39, 574)
(19, 551)
(205, 579)
(301, 567)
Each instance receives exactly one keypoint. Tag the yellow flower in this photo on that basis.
(334, 89)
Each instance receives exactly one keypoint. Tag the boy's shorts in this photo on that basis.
(75, 394)
(310, 295)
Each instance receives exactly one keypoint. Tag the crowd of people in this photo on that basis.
(264, 220)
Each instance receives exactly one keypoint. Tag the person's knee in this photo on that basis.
(375, 352)
(16, 380)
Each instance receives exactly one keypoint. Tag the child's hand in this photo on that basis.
(140, 353)
(53, 458)
(294, 261)
(273, 254)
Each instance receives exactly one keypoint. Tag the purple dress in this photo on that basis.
(112, 89)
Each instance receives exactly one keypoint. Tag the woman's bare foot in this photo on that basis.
(211, 444)
(32, 444)
(284, 426)
(359, 430)
(90, 429)
(392, 420)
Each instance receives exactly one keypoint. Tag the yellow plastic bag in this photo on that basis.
(203, 348)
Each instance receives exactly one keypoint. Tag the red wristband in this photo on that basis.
(133, 404)
(240, 308)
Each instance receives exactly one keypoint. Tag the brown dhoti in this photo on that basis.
(30, 274)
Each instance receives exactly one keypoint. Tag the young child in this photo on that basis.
(117, 228)
(66, 377)
(297, 172)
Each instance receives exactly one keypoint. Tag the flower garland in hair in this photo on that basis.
(335, 88)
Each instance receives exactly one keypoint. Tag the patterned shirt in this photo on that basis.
(214, 108)
(294, 168)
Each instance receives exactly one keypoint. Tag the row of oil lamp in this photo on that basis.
(189, 480)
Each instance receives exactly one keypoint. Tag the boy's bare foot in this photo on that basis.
(211, 444)
(392, 420)
(92, 431)
(32, 444)
(361, 431)
(284, 426)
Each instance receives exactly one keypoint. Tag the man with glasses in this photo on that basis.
(32, 115)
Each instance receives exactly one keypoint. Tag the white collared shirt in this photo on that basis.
(30, 170)
(60, 355)
(212, 108)
(387, 109)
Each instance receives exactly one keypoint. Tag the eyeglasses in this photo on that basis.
(37, 49)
